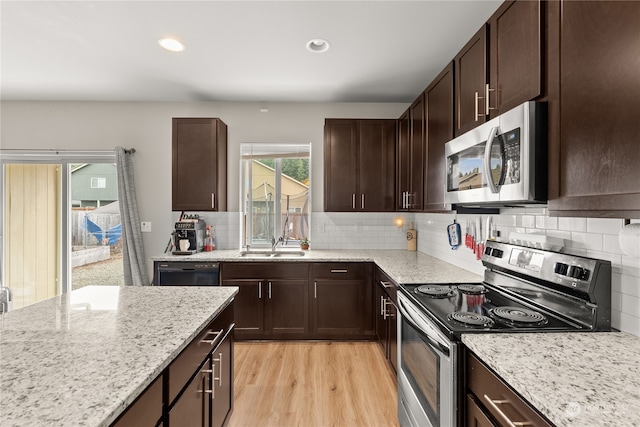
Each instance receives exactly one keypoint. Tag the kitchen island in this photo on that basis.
(82, 358)
(573, 379)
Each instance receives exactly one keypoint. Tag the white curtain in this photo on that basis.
(135, 265)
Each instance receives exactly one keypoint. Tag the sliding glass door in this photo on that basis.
(61, 223)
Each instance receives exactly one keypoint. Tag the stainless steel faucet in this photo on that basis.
(274, 243)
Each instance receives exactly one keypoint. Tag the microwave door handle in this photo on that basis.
(487, 160)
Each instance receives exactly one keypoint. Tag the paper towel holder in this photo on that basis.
(629, 238)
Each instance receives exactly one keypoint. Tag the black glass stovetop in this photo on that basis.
(479, 308)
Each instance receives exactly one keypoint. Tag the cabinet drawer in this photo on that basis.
(186, 364)
(338, 270)
(388, 285)
(500, 401)
(265, 270)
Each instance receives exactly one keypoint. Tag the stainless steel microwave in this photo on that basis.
(501, 162)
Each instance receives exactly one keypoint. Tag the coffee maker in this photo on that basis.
(191, 229)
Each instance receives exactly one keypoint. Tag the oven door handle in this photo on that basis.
(433, 343)
(487, 160)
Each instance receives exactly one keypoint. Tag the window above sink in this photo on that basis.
(276, 196)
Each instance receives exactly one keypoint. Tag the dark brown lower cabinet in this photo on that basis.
(385, 305)
(193, 407)
(491, 402)
(273, 299)
(146, 411)
(197, 387)
(475, 415)
(341, 300)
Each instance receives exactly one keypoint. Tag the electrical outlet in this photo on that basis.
(145, 226)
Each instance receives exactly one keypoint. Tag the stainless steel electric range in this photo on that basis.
(524, 290)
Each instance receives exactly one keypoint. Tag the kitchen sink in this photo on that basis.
(271, 254)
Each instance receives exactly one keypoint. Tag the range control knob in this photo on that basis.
(561, 268)
(579, 273)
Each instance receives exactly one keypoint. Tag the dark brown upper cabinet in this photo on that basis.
(515, 56)
(403, 161)
(439, 129)
(199, 164)
(501, 66)
(471, 82)
(594, 143)
(411, 157)
(360, 165)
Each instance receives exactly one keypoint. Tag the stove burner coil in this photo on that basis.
(517, 316)
(471, 319)
(467, 288)
(435, 291)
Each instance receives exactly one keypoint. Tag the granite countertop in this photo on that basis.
(573, 379)
(81, 358)
(401, 266)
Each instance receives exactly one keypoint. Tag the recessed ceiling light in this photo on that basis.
(317, 45)
(171, 44)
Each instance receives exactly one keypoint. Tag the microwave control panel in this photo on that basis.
(511, 143)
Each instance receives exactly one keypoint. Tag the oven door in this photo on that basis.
(426, 375)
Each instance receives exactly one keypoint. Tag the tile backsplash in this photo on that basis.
(591, 237)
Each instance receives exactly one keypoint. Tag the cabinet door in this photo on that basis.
(416, 153)
(338, 307)
(199, 164)
(392, 318)
(248, 307)
(471, 80)
(594, 147)
(382, 326)
(439, 128)
(193, 407)
(516, 45)
(340, 165)
(403, 161)
(222, 376)
(287, 307)
(376, 156)
(146, 411)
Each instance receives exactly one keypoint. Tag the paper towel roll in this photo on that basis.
(629, 238)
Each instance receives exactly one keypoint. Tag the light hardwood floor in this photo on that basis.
(312, 384)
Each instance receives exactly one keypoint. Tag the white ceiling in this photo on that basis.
(381, 51)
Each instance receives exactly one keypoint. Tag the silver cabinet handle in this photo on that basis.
(362, 201)
(259, 290)
(353, 201)
(381, 305)
(219, 378)
(269, 290)
(494, 404)
(213, 200)
(487, 108)
(476, 115)
(216, 335)
(206, 371)
(315, 290)
(339, 270)
(386, 285)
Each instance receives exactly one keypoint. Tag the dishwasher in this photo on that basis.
(187, 273)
